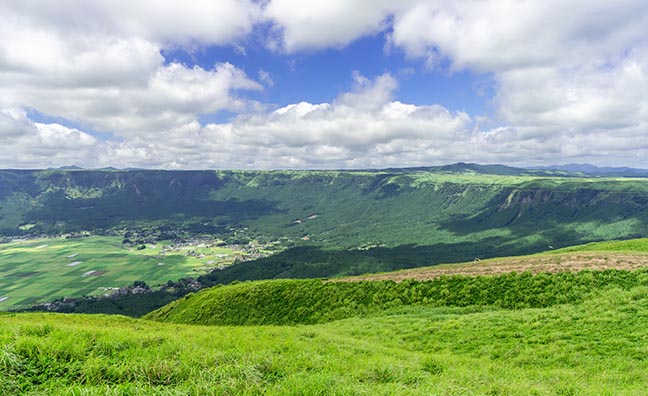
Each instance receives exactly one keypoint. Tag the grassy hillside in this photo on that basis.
(596, 347)
(312, 301)
(639, 245)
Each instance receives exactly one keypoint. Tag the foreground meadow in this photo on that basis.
(597, 347)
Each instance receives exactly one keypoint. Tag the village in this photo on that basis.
(157, 259)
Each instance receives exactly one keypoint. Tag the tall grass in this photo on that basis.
(593, 348)
(312, 301)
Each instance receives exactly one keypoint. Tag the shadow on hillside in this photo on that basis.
(82, 200)
(563, 217)
(316, 262)
(105, 213)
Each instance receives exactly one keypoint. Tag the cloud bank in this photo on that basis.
(570, 82)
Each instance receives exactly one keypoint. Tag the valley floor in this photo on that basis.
(599, 347)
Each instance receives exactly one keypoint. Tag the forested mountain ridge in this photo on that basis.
(379, 219)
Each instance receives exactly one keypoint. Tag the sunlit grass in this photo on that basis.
(631, 245)
(594, 348)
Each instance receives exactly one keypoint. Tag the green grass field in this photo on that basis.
(594, 348)
(43, 270)
(627, 246)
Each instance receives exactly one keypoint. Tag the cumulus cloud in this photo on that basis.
(171, 22)
(355, 130)
(108, 74)
(14, 123)
(569, 80)
(569, 77)
(27, 144)
(344, 133)
(582, 98)
(501, 35)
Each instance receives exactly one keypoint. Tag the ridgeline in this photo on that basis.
(336, 223)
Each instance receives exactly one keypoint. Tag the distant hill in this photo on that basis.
(592, 170)
(491, 169)
(572, 169)
(67, 167)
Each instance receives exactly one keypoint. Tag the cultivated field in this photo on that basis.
(36, 271)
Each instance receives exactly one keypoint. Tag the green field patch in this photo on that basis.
(37, 271)
(639, 245)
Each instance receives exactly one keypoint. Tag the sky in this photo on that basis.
(322, 84)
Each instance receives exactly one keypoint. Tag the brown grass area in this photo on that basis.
(573, 262)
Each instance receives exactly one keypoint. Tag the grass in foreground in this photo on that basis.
(594, 348)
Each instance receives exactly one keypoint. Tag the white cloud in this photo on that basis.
(570, 80)
(582, 98)
(27, 145)
(343, 133)
(163, 22)
(339, 134)
(99, 64)
(500, 35)
(266, 78)
(14, 123)
(570, 77)
(173, 95)
(332, 23)
(564, 73)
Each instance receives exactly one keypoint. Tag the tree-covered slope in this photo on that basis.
(344, 222)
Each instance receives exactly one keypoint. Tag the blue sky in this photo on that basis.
(322, 84)
(319, 76)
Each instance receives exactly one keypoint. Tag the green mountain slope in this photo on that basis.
(351, 222)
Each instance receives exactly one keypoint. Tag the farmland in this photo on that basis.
(42, 270)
